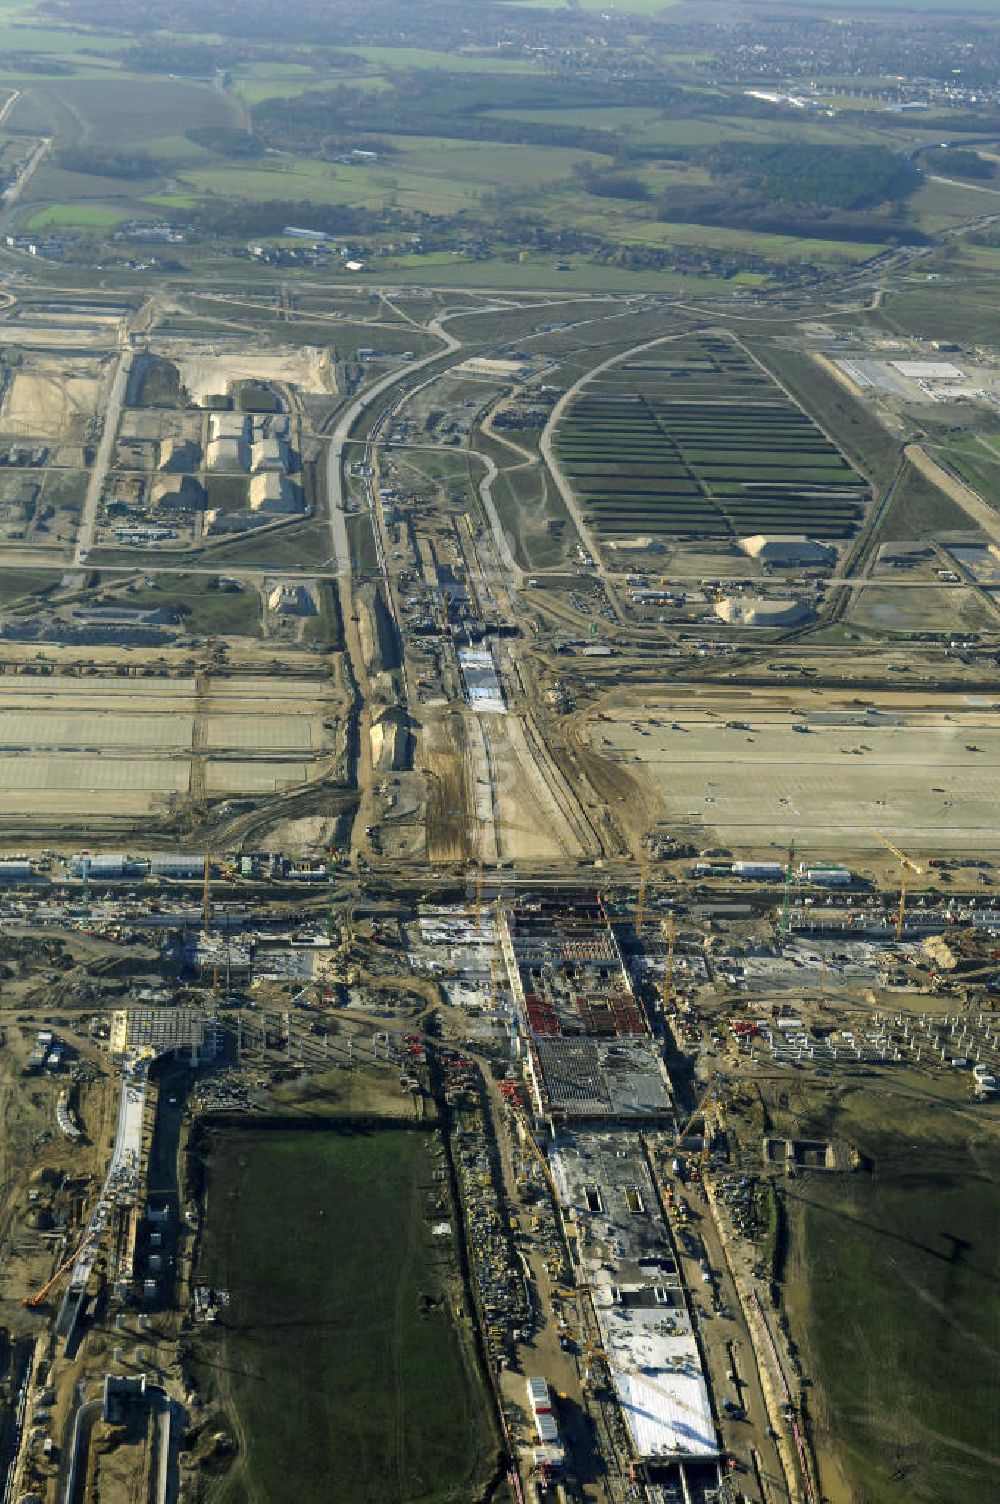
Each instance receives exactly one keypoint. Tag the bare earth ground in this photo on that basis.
(117, 747)
(927, 776)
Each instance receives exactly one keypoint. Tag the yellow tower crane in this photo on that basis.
(713, 1089)
(640, 897)
(668, 965)
(906, 866)
(206, 894)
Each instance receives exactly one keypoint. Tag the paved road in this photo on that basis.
(954, 183)
(13, 193)
(9, 104)
(339, 545)
(102, 460)
(565, 489)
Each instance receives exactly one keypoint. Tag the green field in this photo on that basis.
(450, 62)
(976, 463)
(941, 205)
(902, 1297)
(338, 1354)
(488, 183)
(91, 216)
(206, 611)
(694, 440)
(19, 586)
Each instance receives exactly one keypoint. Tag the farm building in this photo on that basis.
(269, 454)
(177, 493)
(272, 492)
(789, 551)
(178, 456)
(292, 600)
(227, 426)
(762, 611)
(227, 453)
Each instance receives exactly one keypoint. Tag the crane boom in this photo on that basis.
(668, 965)
(667, 1394)
(34, 1301)
(710, 1091)
(901, 857)
(906, 865)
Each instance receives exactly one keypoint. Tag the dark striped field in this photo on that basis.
(700, 442)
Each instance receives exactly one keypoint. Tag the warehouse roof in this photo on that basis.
(927, 370)
(607, 1194)
(620, 1078)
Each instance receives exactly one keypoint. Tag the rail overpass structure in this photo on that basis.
(139, 1037)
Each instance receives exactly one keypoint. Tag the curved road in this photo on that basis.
(565, 489)
(335, 456)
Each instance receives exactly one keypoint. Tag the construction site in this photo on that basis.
(565, 934)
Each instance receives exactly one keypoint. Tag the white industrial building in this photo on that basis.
(100, 865)
(611, 1212)
(176, 864)
(928, 370)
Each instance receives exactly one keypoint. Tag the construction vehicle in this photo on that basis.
(906, 866)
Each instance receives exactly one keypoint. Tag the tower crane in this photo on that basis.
(712, 1089)
(38, 1299)
(906, 866)
(640, 897)
(206, 894)
(786, 901)
(668, 965)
